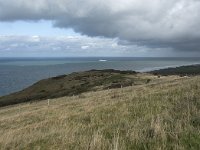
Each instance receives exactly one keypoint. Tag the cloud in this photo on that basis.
(85, 47)
(154, 24)
(60, 46)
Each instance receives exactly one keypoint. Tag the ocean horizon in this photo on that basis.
(17, 73)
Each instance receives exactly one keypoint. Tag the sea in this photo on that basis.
(19, 73)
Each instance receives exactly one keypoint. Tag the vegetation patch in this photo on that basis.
(69, 85)
(181, 71)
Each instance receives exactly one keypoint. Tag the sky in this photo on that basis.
(74, 28)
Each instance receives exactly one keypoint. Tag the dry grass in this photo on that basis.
(164, 114)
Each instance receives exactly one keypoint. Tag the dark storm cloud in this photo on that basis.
(158, 23)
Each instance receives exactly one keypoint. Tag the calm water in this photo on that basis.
(19, 73)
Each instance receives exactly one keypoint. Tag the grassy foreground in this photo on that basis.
(164, 114)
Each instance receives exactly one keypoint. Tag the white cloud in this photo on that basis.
(85, 47)
(62, 46)
(35, 38)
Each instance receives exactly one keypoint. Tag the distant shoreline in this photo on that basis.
(166, 67)
(179, 70)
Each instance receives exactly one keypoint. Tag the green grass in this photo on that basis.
(164, 114)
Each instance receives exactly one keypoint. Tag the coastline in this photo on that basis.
(166, 67)
(93, 80)
(37, 78)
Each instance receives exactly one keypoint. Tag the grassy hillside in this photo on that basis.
(163, 114)
(73, 84)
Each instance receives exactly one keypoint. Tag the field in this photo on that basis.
(163, 114)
